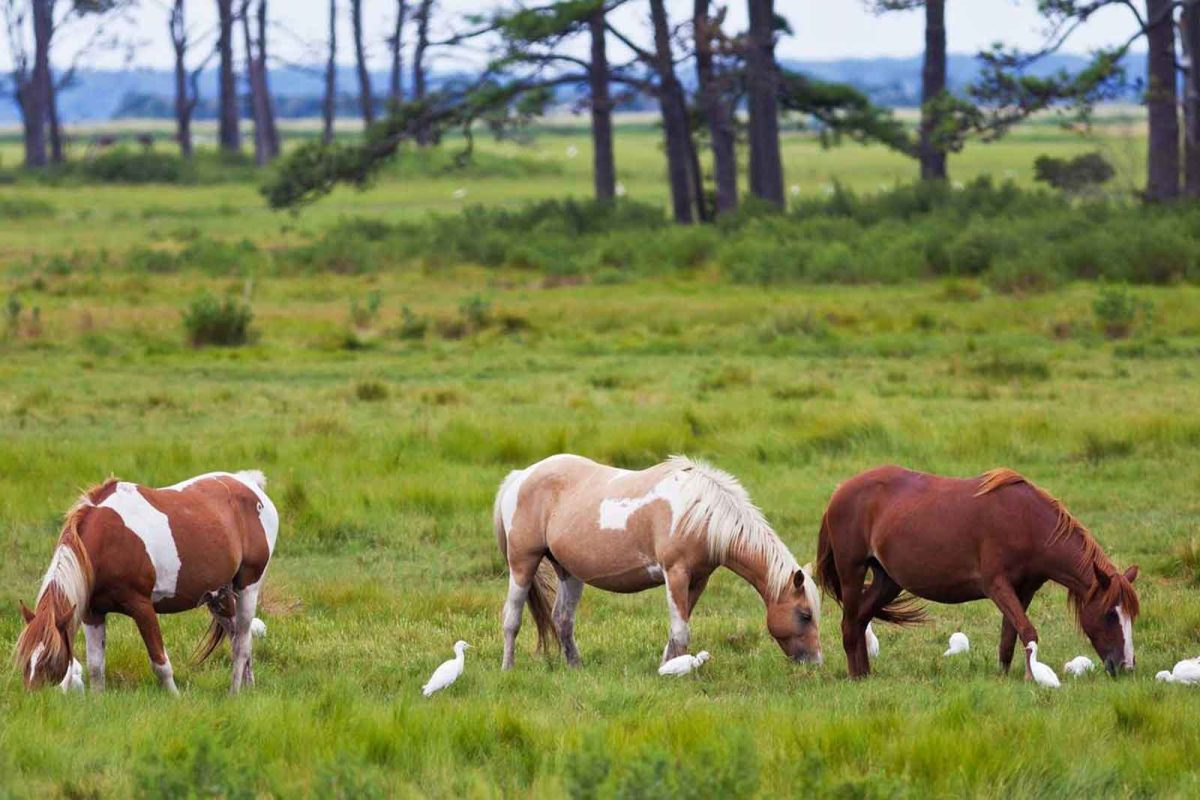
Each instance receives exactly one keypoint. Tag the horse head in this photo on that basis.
(792, 618)
(43, 652)
(1106, 614)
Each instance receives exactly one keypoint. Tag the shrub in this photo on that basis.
(128, 166)
(364, 314)
(370, 391)
(1073, 175)
(224, 323)
(1117, 311)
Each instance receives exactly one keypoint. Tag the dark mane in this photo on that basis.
(1119, 591)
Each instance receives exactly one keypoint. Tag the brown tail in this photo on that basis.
(212, 640)
(904, 610)
(545, 582)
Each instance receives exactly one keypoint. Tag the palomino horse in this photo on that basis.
(627, 531)
(134, 550)
(952, 540)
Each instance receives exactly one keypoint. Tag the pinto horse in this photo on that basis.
(626, 531)
(952, 540)
(134, 550)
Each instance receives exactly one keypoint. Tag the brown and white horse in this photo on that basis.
(627, 531)
(135, 550)
(953, 540)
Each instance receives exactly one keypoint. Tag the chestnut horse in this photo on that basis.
(952, 540)
(626, 531)
(134, 550)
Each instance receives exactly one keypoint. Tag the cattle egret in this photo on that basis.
(258, 628)
(73, 682)
(1043, 675)
(572, 151)
(1079, 665)
(448, 672)
(872, 643)
(682, 665)
(1187, 671)
(958, 644)
(620, 189)
(459, 193)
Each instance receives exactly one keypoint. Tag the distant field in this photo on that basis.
(384, 442)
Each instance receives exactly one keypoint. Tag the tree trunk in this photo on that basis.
(1162, 178)
(933, 84)
(183, 103)
(396, 42)
(604, 172)
(675, 123)
(717, 111)
(37, 90)
(228, 134)
(256, 105)
(762, 77)
(264, 85)
(419, 89)
(365, 97)
(57, 151)
(329, 107)
(1191, 102)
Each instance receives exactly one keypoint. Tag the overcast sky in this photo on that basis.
(824, 29)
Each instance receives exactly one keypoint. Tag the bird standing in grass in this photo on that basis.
(1079, 665)
(73, 682)
(1187, 671)
(959, 643)
(448, 672)
(682, 665)
(258, 628)
(1043, 675)
(872, 643)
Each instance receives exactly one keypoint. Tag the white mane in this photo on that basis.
(66, 571)
(720, 510)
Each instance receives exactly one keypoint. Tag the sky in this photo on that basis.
(824, 29)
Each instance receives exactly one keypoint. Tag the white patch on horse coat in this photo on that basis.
(510, 489)
(1126, 635)
(255, 481)
(655, 571)
(616, 511)
(154, 529)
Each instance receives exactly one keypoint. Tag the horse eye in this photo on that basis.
(805, 616)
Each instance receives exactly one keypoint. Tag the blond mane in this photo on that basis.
(720, 511)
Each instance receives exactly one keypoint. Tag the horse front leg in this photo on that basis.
(1008, 633)
(680, 609)
(854, 637)
(1012, 606)
(144, 615)
(94, 635)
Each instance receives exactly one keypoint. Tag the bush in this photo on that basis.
(1073, 175)
(1117, 312)
(127, 166)
(223, 323)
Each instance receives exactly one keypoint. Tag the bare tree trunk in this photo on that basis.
(604, 171)
(183, 104)
(1191, 101)
(264, 85)
(57, 151)
(762, 77)
(933, 84)
(717, 111)
(396, 42)
(228, 134)
(675, 124)
(329, 107)
(1162, 178)
(419, 88)
(365, 97)
(256, 105)
(37, 90)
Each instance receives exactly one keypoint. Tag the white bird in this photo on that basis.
(258, 628)
(1079, 665)
(448, 672)
(73, 682)
(459, 193)
(872, 643)
(572, 151)
(1186, 671)
(1043, 675)
(682, 665)
(959, 643)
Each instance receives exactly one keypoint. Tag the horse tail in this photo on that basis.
(904, 610)
(545, 582)
(827, 576)
(213, 637)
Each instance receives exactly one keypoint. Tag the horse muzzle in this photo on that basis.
(816, 659)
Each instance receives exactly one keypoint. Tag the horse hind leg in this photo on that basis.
(570, 590)
(247, 607)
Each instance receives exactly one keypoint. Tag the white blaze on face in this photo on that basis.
(34, 659)
(1126, 635)
(153, 528)
(616, 511)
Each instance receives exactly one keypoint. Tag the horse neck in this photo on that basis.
(752, 567)
(1068, 566)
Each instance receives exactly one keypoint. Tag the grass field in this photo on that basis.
(384, 449)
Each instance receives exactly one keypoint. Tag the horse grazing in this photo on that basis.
(627, 531)
(134, 550)
(952, 540)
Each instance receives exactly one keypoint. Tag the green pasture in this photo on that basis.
(385, 433)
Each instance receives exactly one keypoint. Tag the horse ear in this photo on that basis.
(1131, 573)
(798, 579)
(1102, 577)
(26, 613)
(64, 622)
